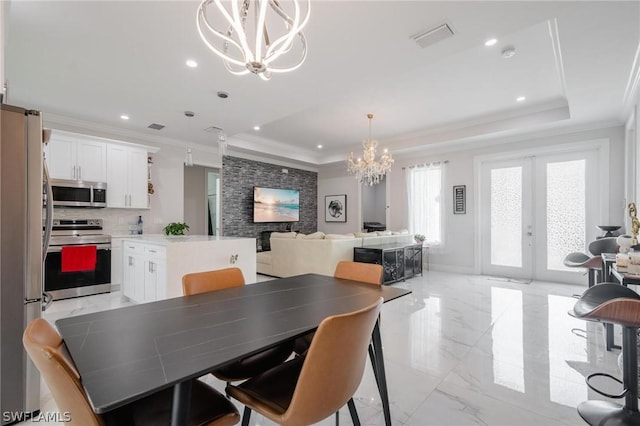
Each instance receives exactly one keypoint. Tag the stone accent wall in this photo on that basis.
(239, 176)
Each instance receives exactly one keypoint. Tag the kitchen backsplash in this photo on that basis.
(115, 221)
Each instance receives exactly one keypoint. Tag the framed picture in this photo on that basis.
(460, 199)
(335, 208)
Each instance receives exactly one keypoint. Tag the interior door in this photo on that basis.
(536, 210)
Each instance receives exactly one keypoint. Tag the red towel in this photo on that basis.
(79, 258)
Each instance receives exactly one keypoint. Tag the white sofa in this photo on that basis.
(295, 254)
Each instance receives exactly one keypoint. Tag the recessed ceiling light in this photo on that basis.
(491, 42)
(319, 146)
(521, 99)
(256, 128)
(191, 63)
(124, 117)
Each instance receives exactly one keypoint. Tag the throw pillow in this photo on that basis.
(365, 234)
(283, 234)
(380, 233)
(315, 236)
(338, 236)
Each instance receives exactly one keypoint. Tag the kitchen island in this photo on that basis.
(153, 265)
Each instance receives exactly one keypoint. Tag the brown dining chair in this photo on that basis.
(48, 352)
(203, 282)
(369, 273)
(310, 388)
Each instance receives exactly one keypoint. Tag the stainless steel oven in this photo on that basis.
(78, 259)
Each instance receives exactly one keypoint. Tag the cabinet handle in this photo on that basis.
(131, 247)
(74, 172)
(152, 267)
(152, 251)
(130, 261)
(79, 172)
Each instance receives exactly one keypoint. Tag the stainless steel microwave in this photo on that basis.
(78, 193)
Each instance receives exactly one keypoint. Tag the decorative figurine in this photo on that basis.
(635, 223)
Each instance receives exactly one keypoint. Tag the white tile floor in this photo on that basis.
(464, 350)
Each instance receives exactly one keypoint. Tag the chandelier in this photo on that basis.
(247, 48)
(367, 169)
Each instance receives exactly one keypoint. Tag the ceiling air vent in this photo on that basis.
(213, 129)
(156, 126)
(433, 35)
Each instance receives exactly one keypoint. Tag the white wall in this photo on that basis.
(336, 185)
(459, 253)
(2, 37)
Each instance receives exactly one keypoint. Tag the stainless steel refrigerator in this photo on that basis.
(22, 251)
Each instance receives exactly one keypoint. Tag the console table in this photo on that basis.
(399, 261)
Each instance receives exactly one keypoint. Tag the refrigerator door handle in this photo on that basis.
(47, 298)
(49, 211)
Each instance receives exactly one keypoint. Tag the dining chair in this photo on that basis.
(48, 352)
(369, 273)
(203, 282)
(603, 245)
(310, 388)
(593, 264)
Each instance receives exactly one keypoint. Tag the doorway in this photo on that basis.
(202, 200)
(537, 209)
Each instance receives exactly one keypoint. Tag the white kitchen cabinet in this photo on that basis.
(126, 177)
(144, 272)
(116, 262)
(153, 265)
(75, 158)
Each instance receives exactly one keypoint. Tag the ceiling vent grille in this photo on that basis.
(156, 126)
(431, 36)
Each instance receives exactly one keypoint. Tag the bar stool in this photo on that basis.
(613, 303)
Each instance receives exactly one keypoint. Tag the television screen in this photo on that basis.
(276, 205)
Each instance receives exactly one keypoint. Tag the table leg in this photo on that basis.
(382, 378)
(181, 399)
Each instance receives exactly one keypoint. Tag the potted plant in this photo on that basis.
(176, 228)
(419, 238)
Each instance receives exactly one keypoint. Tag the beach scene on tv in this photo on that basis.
(276, 205)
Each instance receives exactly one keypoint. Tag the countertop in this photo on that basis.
(166, 239)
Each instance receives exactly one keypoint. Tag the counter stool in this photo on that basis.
(615, 304)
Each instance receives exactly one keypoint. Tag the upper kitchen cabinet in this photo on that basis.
(75, 158)
(127, 175)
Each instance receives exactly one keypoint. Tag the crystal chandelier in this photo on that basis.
(367, 169)
(247, 48)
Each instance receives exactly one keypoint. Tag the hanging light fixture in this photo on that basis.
(247, 48)
(188, 158)
(367, 169)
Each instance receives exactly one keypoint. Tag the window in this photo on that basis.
(425, 209)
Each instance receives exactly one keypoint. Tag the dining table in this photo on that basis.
(127, 353)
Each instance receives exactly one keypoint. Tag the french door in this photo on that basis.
(536, 210)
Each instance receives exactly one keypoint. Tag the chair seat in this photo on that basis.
(582, 260)
(272, 390)
(608, 302)
(208, 407)
(254, 364)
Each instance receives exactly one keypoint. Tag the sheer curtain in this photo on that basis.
(425, 201)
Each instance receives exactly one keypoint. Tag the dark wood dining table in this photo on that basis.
(125, 354)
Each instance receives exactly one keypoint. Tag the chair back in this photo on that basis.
(358, 271)
(48, 352)
(333, 367)
(202, 282)
(603, 245)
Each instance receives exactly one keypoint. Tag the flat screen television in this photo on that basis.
(276, 205)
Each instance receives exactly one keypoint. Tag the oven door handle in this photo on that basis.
(58, 249)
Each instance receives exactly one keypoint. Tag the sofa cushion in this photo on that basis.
(314, 236)
(283, 234)
(383, 233)
(365, 234)
(338, 236)
(401, 232)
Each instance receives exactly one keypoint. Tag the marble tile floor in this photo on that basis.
(463, 350)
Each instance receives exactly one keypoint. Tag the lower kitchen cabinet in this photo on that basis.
(153, 266)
